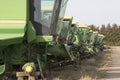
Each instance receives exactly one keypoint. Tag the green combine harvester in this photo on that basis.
(26, 29)
(82, 40)
(85, 39)
(99, 42)
(61, 51)
(35, 36)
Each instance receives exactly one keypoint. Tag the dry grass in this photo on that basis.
(86, 77)
(95, 67)
(90, 69)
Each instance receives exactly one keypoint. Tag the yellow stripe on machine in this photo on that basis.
(12, 21)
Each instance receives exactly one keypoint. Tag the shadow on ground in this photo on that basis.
(90, 69)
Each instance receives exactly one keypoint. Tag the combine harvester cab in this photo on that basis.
(73, 39)
(26, 28)
(61, 50)
(65, 30)
(99, 42)
(84, 36)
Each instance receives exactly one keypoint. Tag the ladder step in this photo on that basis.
(21, 75)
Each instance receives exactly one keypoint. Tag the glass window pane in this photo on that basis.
(64, 28)
(43, 11)
(46, 11)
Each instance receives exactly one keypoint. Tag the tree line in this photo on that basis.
(111, 33)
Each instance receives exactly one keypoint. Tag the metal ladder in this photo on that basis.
(21, 75)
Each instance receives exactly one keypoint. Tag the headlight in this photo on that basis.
(28, 69)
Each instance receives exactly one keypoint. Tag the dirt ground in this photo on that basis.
(89, 69)
(113, 69)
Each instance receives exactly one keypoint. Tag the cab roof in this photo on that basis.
(83, 25)
(101, 35)
(68, 18)
(95, 32)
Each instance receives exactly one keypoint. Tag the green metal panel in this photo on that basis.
(9, 36)
(11, 41)
(12, 9)
(12, 21)
(76, 40)
(43, 38)
(57, 50)
(11, 33)
(31, 33)
(15, 29)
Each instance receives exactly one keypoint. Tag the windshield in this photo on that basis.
(99, 39)
(73, 28)
(89, 37)
(64, 29)
(72, 34)
(47, 15)
(40, 15)
(43, 11)
(82, 34)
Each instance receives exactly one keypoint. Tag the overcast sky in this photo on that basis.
(95, 12)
